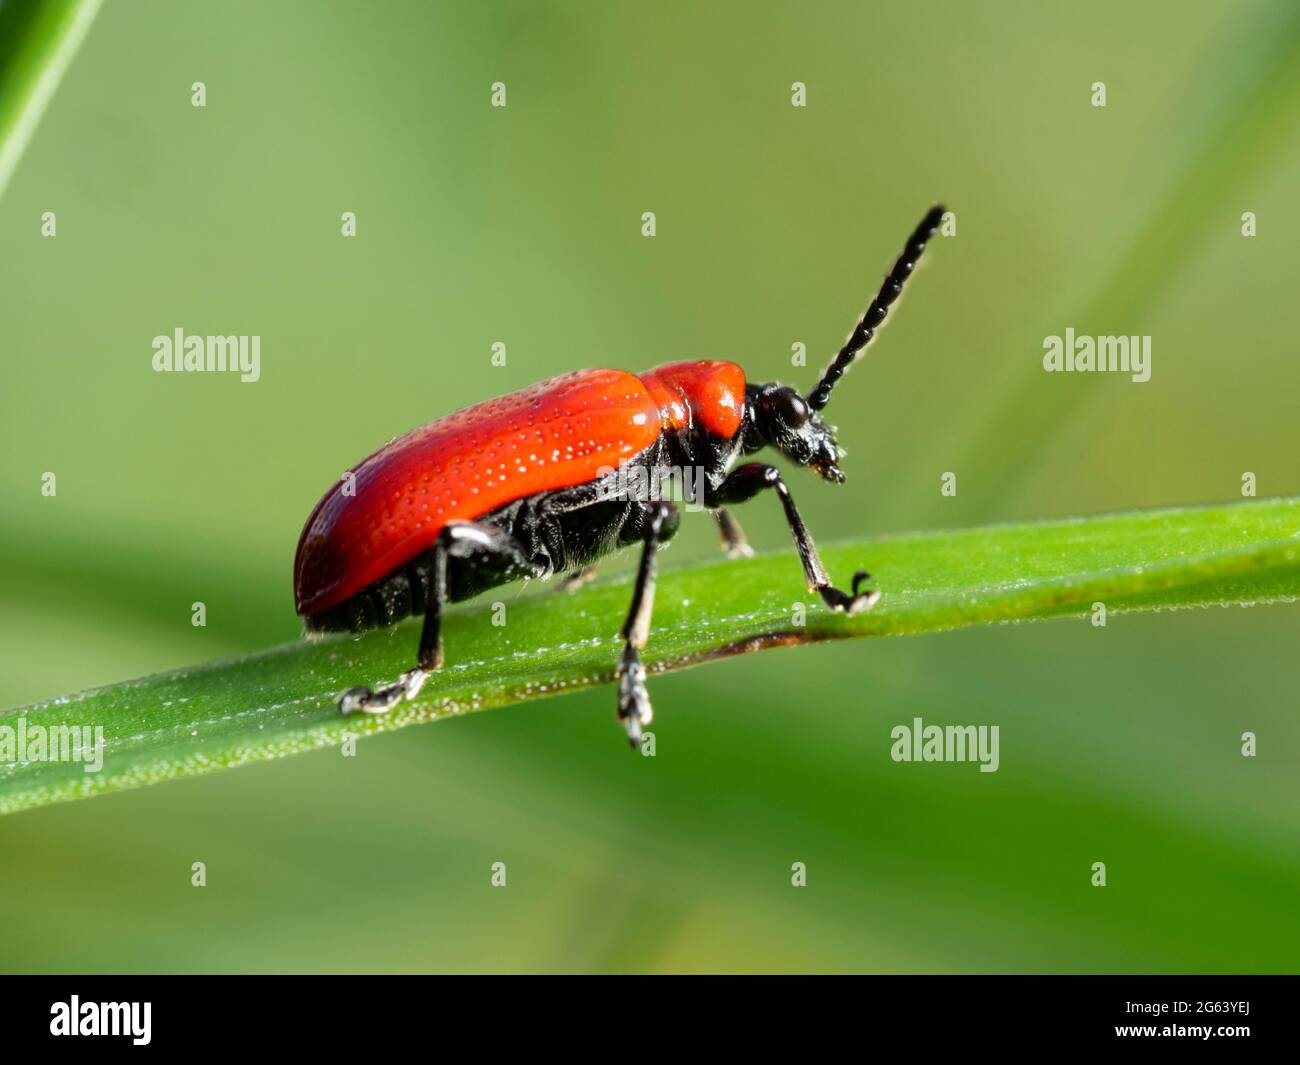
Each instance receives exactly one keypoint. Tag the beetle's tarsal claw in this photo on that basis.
(865, 602)
(381, 700)
(634, 709)
(369, 701)
(856, 603)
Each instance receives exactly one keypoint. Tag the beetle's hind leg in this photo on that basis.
(634, 709)
(487, 544)
(364, 700)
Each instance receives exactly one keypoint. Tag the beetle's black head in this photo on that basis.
(781, 418)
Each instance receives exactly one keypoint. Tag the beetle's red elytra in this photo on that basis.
(521, 486)
(554, 435)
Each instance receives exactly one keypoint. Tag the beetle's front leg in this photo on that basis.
(745, 482)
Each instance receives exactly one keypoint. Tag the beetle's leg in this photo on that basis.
(461, 539)
(734, 544)
(381, 700)
(571, 581)
(747, 481)
(634, 709)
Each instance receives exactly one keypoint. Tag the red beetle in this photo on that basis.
(535, 483)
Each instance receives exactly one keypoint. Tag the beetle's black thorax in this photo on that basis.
(696, 456)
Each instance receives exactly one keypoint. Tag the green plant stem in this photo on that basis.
(282, 701)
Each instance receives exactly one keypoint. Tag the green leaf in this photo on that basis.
(38, 40)
(282, 701)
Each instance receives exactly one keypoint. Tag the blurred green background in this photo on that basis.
(774, 225)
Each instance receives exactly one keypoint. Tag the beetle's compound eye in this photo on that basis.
(787, 407)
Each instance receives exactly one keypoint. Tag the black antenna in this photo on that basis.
(875, 314)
